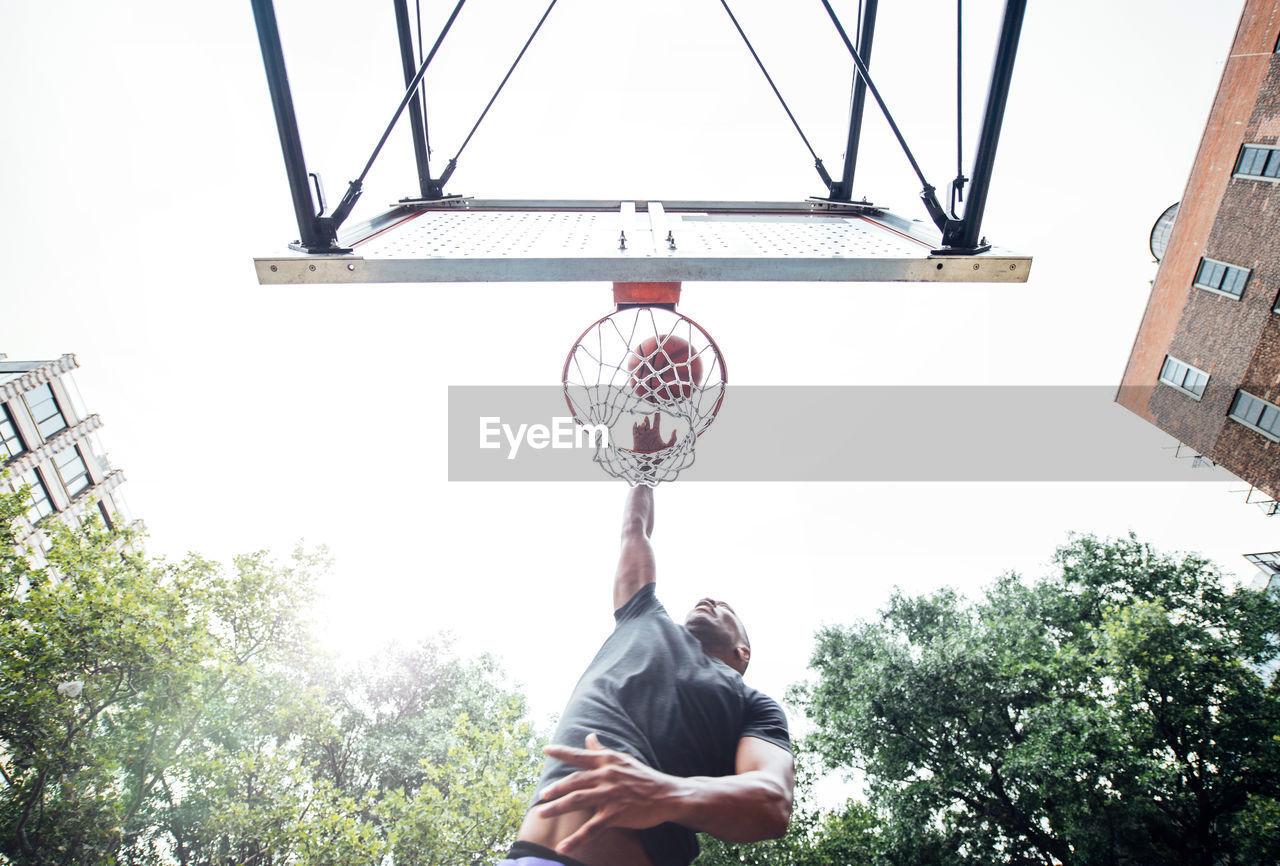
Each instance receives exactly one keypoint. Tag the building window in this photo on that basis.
(1184, 377)
(1257, 414)
(75, 475)
(1222, 278)
(1268, 562)
(40, 502)
(1258, 161)
(10, 440)
(45, 411)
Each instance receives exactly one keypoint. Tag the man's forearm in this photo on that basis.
(748, 807)
(635, 562)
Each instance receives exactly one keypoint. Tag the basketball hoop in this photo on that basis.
(649, 379)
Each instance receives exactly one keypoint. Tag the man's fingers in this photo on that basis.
(572, 801)
(586, 758)
(557, 793)
(593, 826)
(558, 789)
(589, 757)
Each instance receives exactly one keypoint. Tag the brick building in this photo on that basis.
(1205, 365)
(49, 443)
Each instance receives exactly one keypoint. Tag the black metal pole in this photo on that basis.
(314, 235)
(843, 191)
(967, 232)
(352, 195)
(420, 154)
(930, 200)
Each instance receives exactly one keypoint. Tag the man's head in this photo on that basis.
(720, 632)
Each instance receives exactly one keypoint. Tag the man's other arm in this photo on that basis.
(752, 805)
(636, 566)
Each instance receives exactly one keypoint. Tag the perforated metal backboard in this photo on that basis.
(468, 240)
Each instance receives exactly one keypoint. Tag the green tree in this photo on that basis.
(157, 712)
(100, 652)
(470, 805)
(120, 673)
(1120, 711)
(392, 712)
(846, 837)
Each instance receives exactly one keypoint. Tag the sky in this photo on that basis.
(143, 174)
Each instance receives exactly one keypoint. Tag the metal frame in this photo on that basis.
(319, 232)
(469, 240)
(843, 189)
(417, 111)
(315, 234)
(966, 233)
(1267, 562)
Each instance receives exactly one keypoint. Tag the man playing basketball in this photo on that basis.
(661, 737)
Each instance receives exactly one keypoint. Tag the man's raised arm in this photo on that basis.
(635, 564)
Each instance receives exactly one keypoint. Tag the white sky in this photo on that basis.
(143, 173)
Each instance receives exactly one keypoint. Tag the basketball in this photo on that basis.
(664, 369)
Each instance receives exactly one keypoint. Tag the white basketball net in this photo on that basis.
(650, 373)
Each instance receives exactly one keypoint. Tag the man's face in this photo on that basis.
(720, 632)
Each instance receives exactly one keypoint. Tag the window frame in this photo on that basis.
(1273, 435)
(84, 474)
(7, 420)
(39, 423)
(1273, 157)
(34, 479)
(1179, 385)
(107, 520)
(1227, 268)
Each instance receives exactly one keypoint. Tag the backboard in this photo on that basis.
(472, 240)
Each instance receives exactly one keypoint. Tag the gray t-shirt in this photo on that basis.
(652, 693)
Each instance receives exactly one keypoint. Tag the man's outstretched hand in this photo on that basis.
(622, 791)
(646, 439)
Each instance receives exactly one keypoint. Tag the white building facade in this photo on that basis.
(49, 443)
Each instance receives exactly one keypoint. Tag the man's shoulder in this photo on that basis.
(765, 719)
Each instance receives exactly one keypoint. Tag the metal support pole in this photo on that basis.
(420, 154)
(966, 234)
(843, 191)
(315, 235)
(352, 195)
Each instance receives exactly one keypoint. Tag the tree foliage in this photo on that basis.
(1122, 711)
(178, 712)
(472, 802)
